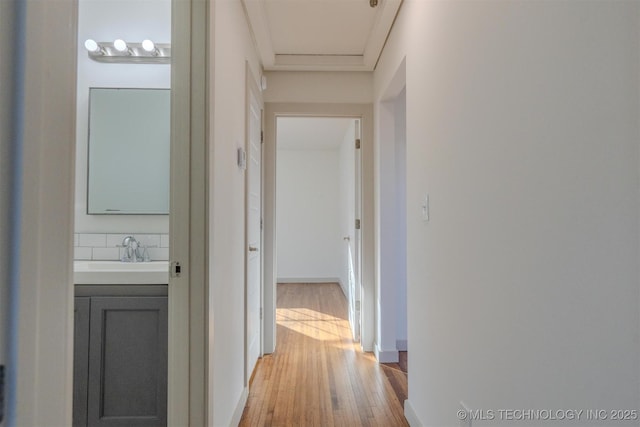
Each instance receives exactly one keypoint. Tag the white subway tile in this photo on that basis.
(106, 254)
(82, 253)
(149, 239)
(159, 254)
(94, 240)
(115, 240)
(76, 239)
(164, 240)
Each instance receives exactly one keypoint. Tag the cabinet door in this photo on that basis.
(80, 359)
(128, 362)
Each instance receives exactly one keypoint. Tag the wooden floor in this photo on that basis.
(318, 376)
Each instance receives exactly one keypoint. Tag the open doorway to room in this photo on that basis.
(391, 340)
(122, 204)
(167, 307)
(318, 205)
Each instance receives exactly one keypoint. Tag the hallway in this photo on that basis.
(318, 376)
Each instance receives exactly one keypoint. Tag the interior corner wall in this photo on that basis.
(104, 20)
(522, 126)
(308, 219)
(231, 47)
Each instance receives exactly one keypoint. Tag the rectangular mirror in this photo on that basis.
(128, 151)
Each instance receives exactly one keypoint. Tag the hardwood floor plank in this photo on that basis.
(318, 376)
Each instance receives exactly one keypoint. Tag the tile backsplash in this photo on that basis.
(104, 246)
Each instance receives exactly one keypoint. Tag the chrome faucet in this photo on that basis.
(133, 250)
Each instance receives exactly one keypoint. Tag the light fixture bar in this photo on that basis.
(133, 53)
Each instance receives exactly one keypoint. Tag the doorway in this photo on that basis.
(391, 208)
(178, 239)
(317, 188)
(351, 249)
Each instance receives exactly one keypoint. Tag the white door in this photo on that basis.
(253, 293)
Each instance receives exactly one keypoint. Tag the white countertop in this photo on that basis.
(120, 273)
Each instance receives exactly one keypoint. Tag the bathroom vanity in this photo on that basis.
(120, 344)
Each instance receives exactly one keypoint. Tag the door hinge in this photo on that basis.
(260, 313)
(261, 225)
(261, 137)
(357, 224)
(358, 144)
(176, 269)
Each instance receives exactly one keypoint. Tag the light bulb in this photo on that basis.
(120, 45)
(148, 45)
(91, 45)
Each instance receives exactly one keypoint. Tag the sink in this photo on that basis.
(120, 273)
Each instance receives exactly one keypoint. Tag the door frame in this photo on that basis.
(44, 395)
(189, 313)
(364, 112)
(388, 344)
(251, 88)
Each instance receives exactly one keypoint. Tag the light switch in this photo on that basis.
(425, 208)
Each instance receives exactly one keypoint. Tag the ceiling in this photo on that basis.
(320, 35)
(311, 133)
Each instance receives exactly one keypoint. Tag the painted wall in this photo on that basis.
(309, 240)
(232, 47)
(107, 20)
(522, 126)
(319, 87)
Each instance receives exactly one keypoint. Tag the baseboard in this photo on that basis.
(237, 414)
(344, 289)
(410, 414)
(308, 280)
(386, 356)
(401, 345)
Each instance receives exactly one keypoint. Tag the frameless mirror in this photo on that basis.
(128, 151)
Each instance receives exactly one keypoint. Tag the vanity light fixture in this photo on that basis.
(121, 45)
(149, 46)
(121, 51)
(92, 46)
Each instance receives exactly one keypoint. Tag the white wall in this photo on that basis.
(107, 20)
(231, 47)
(309, 242)
(522, 125)
(319, 87)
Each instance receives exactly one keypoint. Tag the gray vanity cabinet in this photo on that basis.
(80, 360)
(125, 362)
